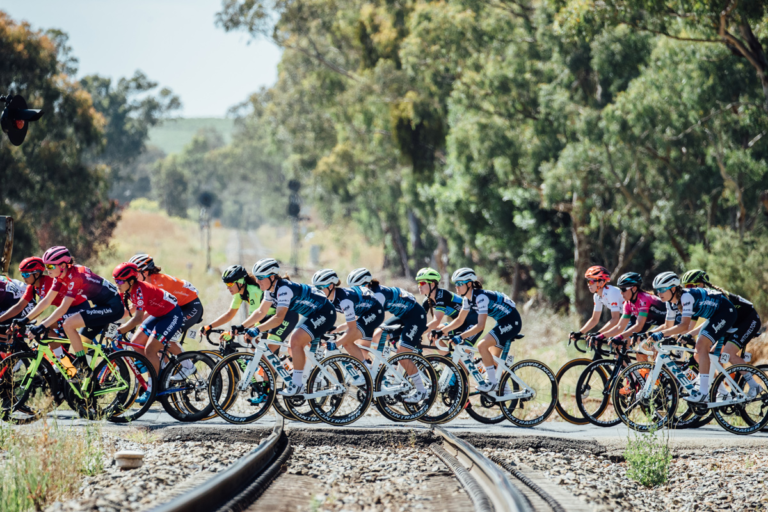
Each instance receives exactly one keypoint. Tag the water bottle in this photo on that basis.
(330, 346)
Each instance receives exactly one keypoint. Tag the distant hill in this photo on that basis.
(173, 135)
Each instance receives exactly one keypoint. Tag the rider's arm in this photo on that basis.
(480, 327)
(135, 320)
(255, 317)
(275, 320)
(42, 305)
(459, 321)
(435, 323)
(615, 317)
(15, 310)
(635, 328)
(683, 327)
(591, 322)
(618, 328)
(58, 312)
(224, 318)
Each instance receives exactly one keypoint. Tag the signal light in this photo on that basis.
(16, 117)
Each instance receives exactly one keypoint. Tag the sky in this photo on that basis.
(174, 42)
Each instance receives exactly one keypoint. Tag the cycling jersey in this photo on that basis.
(152, 300)
(610, 298)
(354, 302)
(696, 303)
(255, 296)
(646, 305)
(494, 304)
(179, 288)
(394, 300)
(297, 297)
(11, 291)
(41, 289)
(81, 280)
(449, 304)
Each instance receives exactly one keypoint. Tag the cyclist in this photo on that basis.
(718, 313)
(11, 303)
(186, 294)
(647, 310)
(70, 282)
(442, 304)
(408, 314)
(605, 296)
(747, 322)
(362, 312)
(485, 303)
(243, 287)
(157, 311)
(285, 295)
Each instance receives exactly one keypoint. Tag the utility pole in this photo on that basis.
(294, 212)
(206, 200)
(6, 249)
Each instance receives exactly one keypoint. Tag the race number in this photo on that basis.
(724, 357)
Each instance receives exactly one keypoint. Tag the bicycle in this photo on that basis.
(524, 401)
(654, 400)
(30, 386)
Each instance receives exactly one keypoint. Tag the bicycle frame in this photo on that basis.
(379, 362)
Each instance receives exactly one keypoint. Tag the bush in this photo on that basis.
(648, 458)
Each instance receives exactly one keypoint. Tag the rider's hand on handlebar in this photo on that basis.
(575, 335)
(618, 341)
(38, 330)
(20, 321)
(595, 339)
(253, 332)
(435, 334)
(457, 340)
(205, 329)
(657, 336)
(237, 329)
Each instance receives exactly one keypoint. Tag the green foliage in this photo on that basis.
(648, 458)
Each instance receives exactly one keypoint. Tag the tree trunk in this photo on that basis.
(399, 244)
(581, 256)
(516, 281)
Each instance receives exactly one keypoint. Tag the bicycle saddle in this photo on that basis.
(391, 327)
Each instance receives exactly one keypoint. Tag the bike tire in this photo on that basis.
(536, 408)
(412, 412)
(143, 377)
(240, 410)
(23, 406)
(584, 393)
(453, 396)
(567, 380)
(196, 383)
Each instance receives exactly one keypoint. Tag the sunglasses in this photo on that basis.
(118, 282)
(26, 275)
(230, 285)
(262, 277)
(689, 285)
(50, 267)
(462, 283)
(322, 286)
(594, 281)
(422, 283)
(665, 289)
(625, 288)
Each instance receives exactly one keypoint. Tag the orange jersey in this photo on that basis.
(179, 288)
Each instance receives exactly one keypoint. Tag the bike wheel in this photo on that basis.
(567, 378)
(180, 404)
(25, 402)
(593, 394)
(452, 391)
(747, 417)
(391, 405)
(116, 383)
(339, 403)
(190, 386)
(539, 404)
(233, 398)
(640, 413)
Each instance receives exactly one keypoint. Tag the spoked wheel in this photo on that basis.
(593, 394)
(635, 410)
(483, 408)
(567, 378)
(236, 399)
(393, 406)
(540, 401)
(22, 406)
(746, 417)
(178, 400)
(298, 407)
(187, 377)
(346, 403)
(452, 391)
(117, 383)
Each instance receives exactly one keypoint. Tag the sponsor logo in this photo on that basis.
(719, 326)
(318, 321)
(370, 318)
(412, 332)
(505, 329)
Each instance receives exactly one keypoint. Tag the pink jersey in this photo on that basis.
(648, 305)
(83, 281)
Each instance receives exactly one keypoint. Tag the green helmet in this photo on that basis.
(695, 276)
(428, 274)
(233, 274)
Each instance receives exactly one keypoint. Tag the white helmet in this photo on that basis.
(325, 277)
(464, 274)
(266, 267)
(665, 280)
(359, 277)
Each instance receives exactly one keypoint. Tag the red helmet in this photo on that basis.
(125, 271)
(598, 272)
(32, 264)
(56, 255)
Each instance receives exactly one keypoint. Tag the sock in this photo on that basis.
(704, 383)
(59, 352)
(187, 364)
(298, 375)
(417, 382)
(491, 374)
(80, 353)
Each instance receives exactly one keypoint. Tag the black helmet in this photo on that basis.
(629, 279)
(233, 273)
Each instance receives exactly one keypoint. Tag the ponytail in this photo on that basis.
(477, 285)
(374, 284)
(429, 305)
(154, 270)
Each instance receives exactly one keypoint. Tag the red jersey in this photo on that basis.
(152, 300)
(41, 289)
(81, 280)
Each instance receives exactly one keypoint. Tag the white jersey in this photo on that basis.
(610, 298)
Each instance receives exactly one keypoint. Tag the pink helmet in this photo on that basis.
(57, 255)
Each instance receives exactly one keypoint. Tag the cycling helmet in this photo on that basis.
(32, 264)
(428, 274)
(56, 255)
(325, 277)
(359, 277)
(629, 279)
(598, 272)
(266, 267)
(125, 271)
(233, 274)
(464, 274)
(143, 262)
(695, 276)
(666, 280)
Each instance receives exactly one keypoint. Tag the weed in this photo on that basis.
(648, 458)
(141, 436)
(412, 439)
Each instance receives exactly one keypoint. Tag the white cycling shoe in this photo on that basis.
(357, 381)
(292, 390)
(415, 396)
(183, 374)
(696, 397)
(487, 387)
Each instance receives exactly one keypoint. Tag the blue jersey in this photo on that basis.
(449, 304)
(354, 302)
(697, 303)
(301, 298)
(494, 304)
(395, 300)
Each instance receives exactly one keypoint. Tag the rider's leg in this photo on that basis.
(299, 339)
(71, 325)
(151, 350)
(703, 346)
(348, 342)
(484, 347)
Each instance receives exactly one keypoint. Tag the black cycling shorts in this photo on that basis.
(414, 324)
(507, 329)
(720, 325)
(193, 314)
(320, 321)
(98, 317)
(284, 330)
(369, 321)
(746, 329)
